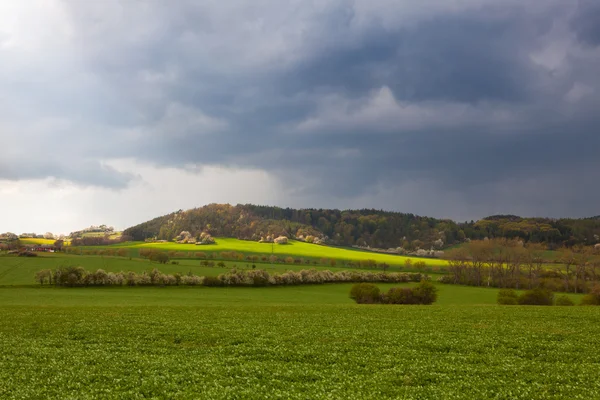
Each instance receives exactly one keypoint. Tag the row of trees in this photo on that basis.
(99, 240)
(511, 264)
(544, 297)
(77, 276)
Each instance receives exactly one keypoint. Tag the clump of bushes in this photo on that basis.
(592, 298)
(281, 240)
(507, 297)
(534, 297)
(205, 238)
(564, 300)
(537, 297)
(367, 293)
(256, 277)
(155, 255)
(73, 276)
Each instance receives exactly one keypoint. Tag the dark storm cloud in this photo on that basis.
(340, 98)
(453, 59)
(586, 23)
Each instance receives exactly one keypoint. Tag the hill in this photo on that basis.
(362, 228)
(372, 228)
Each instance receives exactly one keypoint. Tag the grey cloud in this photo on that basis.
(586, 22)
(82, 173)
(337, 99)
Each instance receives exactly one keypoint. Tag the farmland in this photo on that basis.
(293, 248)
(302, 342)
(21, 270)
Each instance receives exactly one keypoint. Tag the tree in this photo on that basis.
(58, 245)
(159, 257)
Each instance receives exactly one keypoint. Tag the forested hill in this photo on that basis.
(374, 228)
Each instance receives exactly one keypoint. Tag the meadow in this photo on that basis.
(21, 270)
(293, 248)
(280, 342)
(298, 342)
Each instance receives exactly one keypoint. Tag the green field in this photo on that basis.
(21, 270)
(293, 248)
(301, 342)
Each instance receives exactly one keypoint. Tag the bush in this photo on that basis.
(365, 293)
(400, 296)
(281, 240)
(537, 297)
(425, 293)
(159, 256)
(507, 297)
(212, 281)
(564, 300)
(592, 298)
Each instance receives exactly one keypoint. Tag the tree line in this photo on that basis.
(505, 263)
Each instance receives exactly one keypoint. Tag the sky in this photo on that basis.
(115, 112)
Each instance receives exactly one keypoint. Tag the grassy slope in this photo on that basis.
(294, 248)
(301, 342)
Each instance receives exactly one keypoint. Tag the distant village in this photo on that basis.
(49, 242)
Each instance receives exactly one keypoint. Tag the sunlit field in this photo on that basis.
(293, 248)
(289, 342)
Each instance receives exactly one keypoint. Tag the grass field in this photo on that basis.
(21, 270)
(298, 342)
(293, 248)
(301, 342)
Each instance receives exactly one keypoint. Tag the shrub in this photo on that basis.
(592, 298)
(44, 276)
(537, 297)
(425, 292)
(564, 300)
(159, 256)
(191, 280)
(281, 240)
(212, 281)
(420, 265)
(400, 296)
(507, 297)
(365, 293)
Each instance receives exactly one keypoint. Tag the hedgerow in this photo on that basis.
(78, 276)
